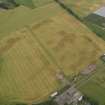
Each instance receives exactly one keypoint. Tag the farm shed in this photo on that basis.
(70, 96)
(100, 12)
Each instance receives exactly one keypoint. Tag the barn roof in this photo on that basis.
(100, 12)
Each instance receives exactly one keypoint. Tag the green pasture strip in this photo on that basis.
(96, 24)
(28, 3)
(100, 31)
(38, 3)
(95, 86)
(33, 3)
(96, 19)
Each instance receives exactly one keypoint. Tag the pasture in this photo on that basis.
(31, 55)
(28, 3)
(39, 3)
(95, 86)
(33, 3)
(96, 23)
(84, 7)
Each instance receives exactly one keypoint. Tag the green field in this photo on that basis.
(39, 3)
(96, 19)
(28, 3)
(95, 86)
(96, 23)
(33, 3)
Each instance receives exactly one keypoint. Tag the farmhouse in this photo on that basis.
(70, 96)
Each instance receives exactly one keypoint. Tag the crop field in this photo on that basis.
(31, 55)
(84, 7)
(95, 86)
(67, 44)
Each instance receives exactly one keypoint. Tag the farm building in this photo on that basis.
(100, 12)
(70, 96)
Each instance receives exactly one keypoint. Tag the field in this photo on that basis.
(95, 86)
(96, 23)
(62, 40)
(39, 3)
(96, 19)
(31, 55)
(84, 7)
(29, 74)
(33, 3)
(84, 10)
(17, 18)
(28, 3)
